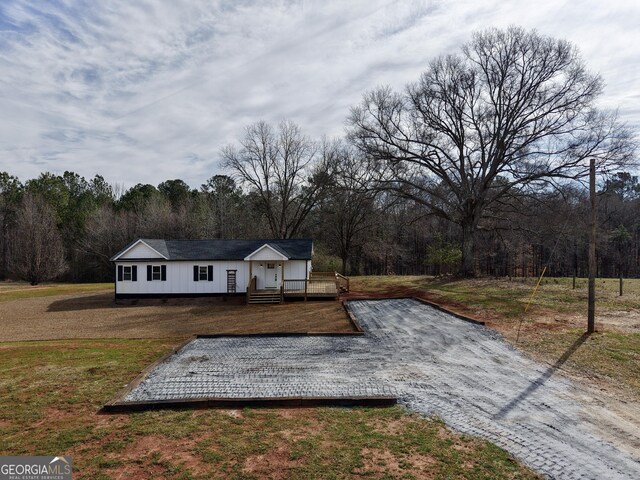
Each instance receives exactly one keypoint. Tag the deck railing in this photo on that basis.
(251, 287)
(312, 287)
(315, 274)
(320, 284)
(342, 281)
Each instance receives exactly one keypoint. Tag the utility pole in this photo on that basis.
(591, 316)
(575, 262)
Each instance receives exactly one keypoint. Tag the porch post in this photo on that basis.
(250, 274)
(282, 273)
(282, 279)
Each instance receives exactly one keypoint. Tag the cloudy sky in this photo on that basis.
(147, 90)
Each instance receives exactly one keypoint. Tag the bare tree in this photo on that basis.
(289, 172)
(350, 209)
(514, 109)
(10, 196)
(36, 249)
(108, 231)
(225, 201)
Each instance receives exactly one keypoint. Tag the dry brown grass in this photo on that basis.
(96, 315)
(10, 290)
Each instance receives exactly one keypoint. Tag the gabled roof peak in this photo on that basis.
(153, 245)
(279, 254)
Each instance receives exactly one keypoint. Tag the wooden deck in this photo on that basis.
(319, 285)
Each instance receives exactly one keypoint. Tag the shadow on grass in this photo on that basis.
(84, 302)
(106, 300)
(537, 383)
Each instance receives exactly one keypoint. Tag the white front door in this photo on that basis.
(271, 275)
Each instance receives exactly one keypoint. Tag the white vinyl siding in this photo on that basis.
(179, 277)
(141, 250)
(295, 270)
(266, 253)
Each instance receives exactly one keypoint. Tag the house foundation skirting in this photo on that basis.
(122, 296)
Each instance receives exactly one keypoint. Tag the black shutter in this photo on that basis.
(163, 273)
(210, 273)
(134, 273)
(119, 273)
(195, 273)
(149, 277)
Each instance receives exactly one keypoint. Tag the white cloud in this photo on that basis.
(149, 90)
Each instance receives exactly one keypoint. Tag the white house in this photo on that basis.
(156, 268)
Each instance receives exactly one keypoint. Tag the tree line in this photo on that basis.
(476, 167)
(63, 226)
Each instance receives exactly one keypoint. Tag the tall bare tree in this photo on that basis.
(225, 201)
(108, 231)
(287, 170)
(36, 248)
(513, 109)
(350, 210)
(10, 196)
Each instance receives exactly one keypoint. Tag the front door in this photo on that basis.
(271, 276)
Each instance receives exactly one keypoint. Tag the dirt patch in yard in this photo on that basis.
(378, 463)
(96, 315)
(154, 456)
(276, 463)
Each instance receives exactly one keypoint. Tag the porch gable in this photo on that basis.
(265, 253)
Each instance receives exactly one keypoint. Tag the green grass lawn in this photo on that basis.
(17, 290)
(50, 393)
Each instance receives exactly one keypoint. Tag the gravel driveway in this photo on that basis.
(435, 364)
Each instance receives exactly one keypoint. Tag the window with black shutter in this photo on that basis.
(202, 270)
(203, 273)
(127, 273)
(156, 273)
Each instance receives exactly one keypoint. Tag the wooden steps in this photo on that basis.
(265, 297)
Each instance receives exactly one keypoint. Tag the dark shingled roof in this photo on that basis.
(294, 249)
